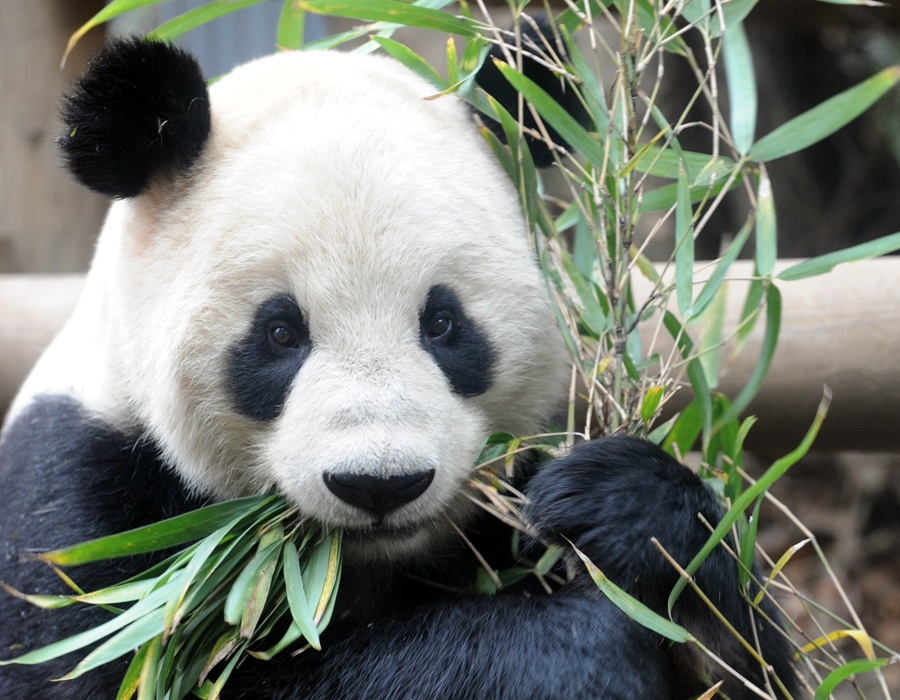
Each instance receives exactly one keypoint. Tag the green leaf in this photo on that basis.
(633, 607)
(741, 87)
(112, 10)
(413, 61)
(748, 544)
(715, 281)
(766, 227)
(247, 584)
(749, 313)
(684, 248)
(146, 607)
(651, 402)
(842, 673)
(131, 637)
(291, 25)
(556, 116)
(697, 13)
(192, 19)
(296, 595)
(168, 533)
(766, 353)
(662, 198)
(670, 160)
(824, 119)
(695, 372)
(735, 12)
(825, 263)
(173, 608)
(684, 431)
(133, 676)
(772, 474)
(391, 11)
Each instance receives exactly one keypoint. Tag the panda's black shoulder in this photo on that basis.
(67, 475)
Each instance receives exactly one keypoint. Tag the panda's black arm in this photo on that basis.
(609, 498)
(573, 646)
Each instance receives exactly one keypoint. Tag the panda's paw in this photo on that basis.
(611, 498)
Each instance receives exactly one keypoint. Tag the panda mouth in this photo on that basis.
(379, 530)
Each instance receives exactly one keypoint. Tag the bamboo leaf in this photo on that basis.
(860, 637)
(192, 19)
(651, 402)
(842, 673)
(132, 679)
(825, 263)
(742, 502)
(779, 565)
(748, 544)
(824, 119)
(145, 607)
(112, 10)
(413, 61)
(556, 116)
(684, 248)
(168, 533)
(246, 583)
(734, 12)
(741, 88)
(695, 372)
(766, 227)
(391, 11)
(632, 607)
(149, 678)
(47, 602)
(141, 630)
(766, 353)
(296, 595)
(712, 285)
(291, 25)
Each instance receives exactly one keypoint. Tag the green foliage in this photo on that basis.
(638, 333)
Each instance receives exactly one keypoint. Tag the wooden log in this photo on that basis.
(32, 309)
(841, 329)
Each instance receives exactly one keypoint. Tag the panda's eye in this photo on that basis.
(441, 326)
(281, 335)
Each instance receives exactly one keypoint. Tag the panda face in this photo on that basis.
(337, 301)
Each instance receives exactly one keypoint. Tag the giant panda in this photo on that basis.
(315, 279)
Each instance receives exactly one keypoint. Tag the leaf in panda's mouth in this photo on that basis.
(255, 567)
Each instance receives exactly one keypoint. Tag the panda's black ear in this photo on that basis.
(141, 109)
(491, 80)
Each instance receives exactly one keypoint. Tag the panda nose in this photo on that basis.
(378, 495)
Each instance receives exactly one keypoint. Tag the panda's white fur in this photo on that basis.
(334, 196)
(320, 193)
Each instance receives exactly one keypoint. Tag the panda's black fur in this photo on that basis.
(140, 109)
(67, 474)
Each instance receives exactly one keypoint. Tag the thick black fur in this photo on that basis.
(491, 80)
(141, 108)
(66, 477)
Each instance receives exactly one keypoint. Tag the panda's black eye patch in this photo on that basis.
(459, 347)
(264, 362)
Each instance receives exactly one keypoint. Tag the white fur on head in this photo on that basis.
(331, 178)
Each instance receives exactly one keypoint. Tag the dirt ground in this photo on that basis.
(851, 504)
